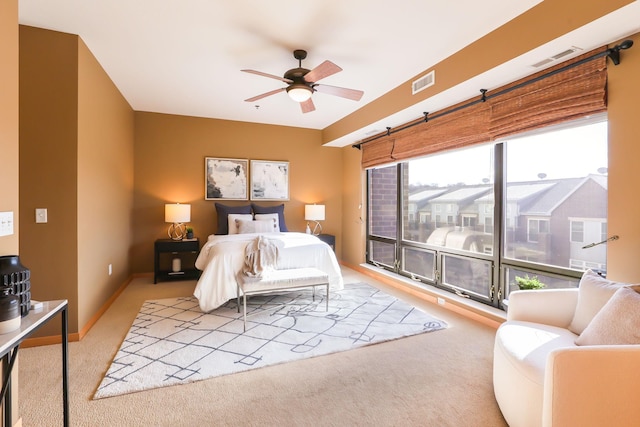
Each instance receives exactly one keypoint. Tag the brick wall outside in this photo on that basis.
(383, 220)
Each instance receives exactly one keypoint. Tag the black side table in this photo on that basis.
(329, 239)
(187, 249)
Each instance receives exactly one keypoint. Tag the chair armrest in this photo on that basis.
(592, 385)
(553, 307)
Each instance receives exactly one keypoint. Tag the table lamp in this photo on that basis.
(177, 214)
(314, 213)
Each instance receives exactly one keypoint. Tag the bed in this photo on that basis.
(222, 257)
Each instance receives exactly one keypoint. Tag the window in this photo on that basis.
(488, 224)
(577, 231)
(537, 227)
(445, 227)
(468, 221)
(556, 183)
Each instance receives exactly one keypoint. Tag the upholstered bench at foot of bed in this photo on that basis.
(279, 280)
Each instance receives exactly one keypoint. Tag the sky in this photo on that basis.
(566, 153)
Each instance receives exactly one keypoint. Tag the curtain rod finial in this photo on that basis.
(614, 52)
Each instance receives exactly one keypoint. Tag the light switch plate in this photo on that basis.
(41, 215)
(6, 223)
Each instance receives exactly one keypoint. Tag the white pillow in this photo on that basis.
(245, 227)
(233, 229)
(267, 217)
(593, 293)
(617, 323)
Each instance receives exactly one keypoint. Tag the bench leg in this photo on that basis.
(244, 310)
(327, 300)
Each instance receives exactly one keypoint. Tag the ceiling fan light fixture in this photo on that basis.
(299, 92)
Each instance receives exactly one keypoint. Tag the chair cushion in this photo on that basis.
(617, 323)
(593, 293)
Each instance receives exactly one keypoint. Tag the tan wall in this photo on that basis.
(624, 175)
(354, 203)
(169, 152)
(76, 160)
(169, 167)
(48, 164)
(9, 121)
(105, 185)
(9, 147)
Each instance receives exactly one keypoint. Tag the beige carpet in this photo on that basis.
(438, 379)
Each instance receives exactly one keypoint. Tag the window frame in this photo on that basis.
(494, 251)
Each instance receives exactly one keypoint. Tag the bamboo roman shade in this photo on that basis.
(570, 90)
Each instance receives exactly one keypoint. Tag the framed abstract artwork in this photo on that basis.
(269, 180)
(226, 179)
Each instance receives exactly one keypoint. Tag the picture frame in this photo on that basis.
(226, 179)
(269, 180)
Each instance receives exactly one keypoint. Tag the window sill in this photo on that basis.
(475, 310)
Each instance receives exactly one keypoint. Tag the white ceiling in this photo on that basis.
(185, 57)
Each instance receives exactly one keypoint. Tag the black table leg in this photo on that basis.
(65, 368)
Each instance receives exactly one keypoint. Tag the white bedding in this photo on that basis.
(221, 259)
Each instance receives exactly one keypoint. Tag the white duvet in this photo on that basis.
(221, 259)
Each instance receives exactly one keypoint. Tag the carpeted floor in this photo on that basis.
(437, 379)
(173, 342)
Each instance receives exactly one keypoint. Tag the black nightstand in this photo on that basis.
(188, 251)
(329, 239)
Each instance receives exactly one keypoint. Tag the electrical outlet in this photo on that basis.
(110, 269)
(440, 301)
(41, 215)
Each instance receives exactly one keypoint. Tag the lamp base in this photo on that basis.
(177, 231)
(317, 229)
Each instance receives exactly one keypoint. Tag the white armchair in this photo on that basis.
(542, 378)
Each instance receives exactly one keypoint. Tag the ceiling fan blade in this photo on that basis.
(307, 106)
(271, 76)
(326, 69)
(264, 95)
(352, 94)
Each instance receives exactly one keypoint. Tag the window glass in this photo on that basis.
(452, 194)
(556, 195)
(467, 274)
(516, 278)
(382, 253)
(419, 262)
(553, 207)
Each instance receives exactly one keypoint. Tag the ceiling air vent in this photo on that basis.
(555, 57)
(423, 82)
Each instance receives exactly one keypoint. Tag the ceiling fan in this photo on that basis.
(301, 83)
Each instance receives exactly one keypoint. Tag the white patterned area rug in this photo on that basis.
(172, 342)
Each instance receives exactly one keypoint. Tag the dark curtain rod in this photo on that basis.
(613, 54)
